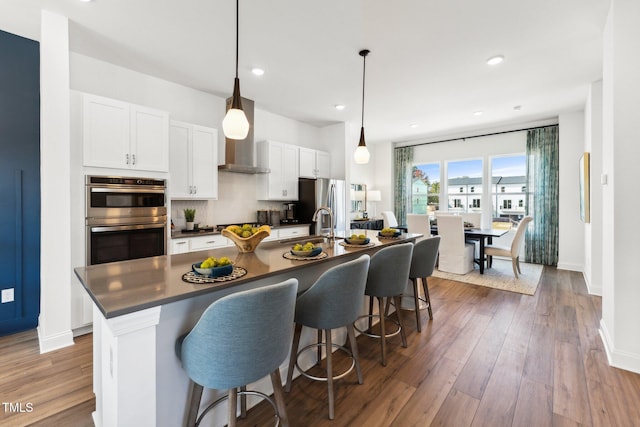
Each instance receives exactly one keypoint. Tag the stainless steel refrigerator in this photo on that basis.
(315, 193)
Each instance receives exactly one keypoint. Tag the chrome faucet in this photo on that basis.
(330, 212)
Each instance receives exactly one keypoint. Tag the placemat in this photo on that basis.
(350, 245)
(289, 255)
(388, 237)
(192, 277)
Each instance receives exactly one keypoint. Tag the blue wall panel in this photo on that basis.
(19, 181)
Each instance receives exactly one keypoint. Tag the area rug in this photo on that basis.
(500, 276)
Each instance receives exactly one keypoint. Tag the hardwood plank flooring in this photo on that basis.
(489, 358)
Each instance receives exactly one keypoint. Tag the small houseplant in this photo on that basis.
(189, 216)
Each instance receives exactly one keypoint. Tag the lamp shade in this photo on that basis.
(235, 124)
(360, 195)
(374, 196)
(361, 155)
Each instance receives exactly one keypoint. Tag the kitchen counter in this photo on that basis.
(142, 306)
(128, 286)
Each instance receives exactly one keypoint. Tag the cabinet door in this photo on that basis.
(179, 167)
(149, 139)
(307, 163)
(275, 189)
(106, 136)
(179, 246)
(204, 161)
(207, 242)
(323, 164)
(290, 172)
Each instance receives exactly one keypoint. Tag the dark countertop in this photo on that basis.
(179, 234)
(125, 287)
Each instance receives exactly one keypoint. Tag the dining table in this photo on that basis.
(484, 236)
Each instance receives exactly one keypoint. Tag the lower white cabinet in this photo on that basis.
(198, 243)
(289, 232)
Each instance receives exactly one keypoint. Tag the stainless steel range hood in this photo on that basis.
(240, 154)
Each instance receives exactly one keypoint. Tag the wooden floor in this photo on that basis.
(489, 358)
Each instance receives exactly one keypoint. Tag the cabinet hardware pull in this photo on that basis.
(127, 158)
(133, 156)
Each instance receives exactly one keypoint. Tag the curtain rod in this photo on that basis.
(477, 136)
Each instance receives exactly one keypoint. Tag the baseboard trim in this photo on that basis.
(618, 359)
(590, 288)
(570, 267)
(54, 342)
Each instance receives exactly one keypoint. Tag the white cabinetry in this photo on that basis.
(198, 243)
(282, 182)
(124, 136)
(193, 164)
(289, 232)
(314, 163)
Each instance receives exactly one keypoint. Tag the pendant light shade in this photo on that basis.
(361, 155)
(235, 124)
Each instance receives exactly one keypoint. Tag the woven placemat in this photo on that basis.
(350, 245)
(289, 255)
(192, 277)
(388, 237)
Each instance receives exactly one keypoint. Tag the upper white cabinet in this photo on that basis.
(282, 182)
(314, 163)
(193, 164)
(120, 135)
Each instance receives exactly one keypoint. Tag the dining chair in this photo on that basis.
(419, 223)
(456, 255)
(389, 220)
(512, 251)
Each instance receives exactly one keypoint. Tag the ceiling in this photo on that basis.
(427, 64)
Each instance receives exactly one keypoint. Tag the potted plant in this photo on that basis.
(189, 216)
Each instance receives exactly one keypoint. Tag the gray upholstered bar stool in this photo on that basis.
(387, 278)
(230, 347)
(423, 261)
(332, 302)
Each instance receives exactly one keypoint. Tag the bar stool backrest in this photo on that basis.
(425, 254)
(241, 337)
(389, 270)
(335, 299)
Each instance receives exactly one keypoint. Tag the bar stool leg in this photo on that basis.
(426, 296)
(417, 303)
(196, 395)
(233, 406)
(370, 313)
(243, 402)
(383, 332)
(319, 348)
(403, 334)
(292, 357)
(354, 351)
(329, 373)
(276, 383)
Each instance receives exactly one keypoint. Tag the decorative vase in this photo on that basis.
(189, 225)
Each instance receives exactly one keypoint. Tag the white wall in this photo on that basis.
(620, 324)
(571, 148)
(593, 230)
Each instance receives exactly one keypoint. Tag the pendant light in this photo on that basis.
(235, 124)
(361, 156)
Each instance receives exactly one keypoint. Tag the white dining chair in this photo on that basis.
(512, 251)
(456, 256)
(389, 221)
(419, 223)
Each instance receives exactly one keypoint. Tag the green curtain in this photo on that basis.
(541, 239)
(403, 157)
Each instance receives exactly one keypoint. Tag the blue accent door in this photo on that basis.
(19, 183)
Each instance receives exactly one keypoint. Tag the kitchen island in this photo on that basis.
(142, 306)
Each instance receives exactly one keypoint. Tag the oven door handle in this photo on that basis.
(127, 190)
(104, 229)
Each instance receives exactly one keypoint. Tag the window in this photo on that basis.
(476, 203)
(462, 176)
(425, 181)
(473, 190)
(508, 186)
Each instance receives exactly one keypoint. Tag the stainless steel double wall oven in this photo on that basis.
(126, 218)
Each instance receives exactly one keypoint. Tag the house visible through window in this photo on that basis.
(508, 186)
(463, 178)
(425, 180)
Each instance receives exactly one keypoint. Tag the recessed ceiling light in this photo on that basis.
(86, 1)
(495, 60)
(518, 107)
(413, 125)
(477, 113)
(339, 107)
(257, 71)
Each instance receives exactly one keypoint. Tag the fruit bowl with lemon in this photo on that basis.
(357, 239)
(389, 232)
(306, 250)
(212, 267)
(246, 237)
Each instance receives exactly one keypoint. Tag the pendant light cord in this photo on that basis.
(237, 33)
(364, 65)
